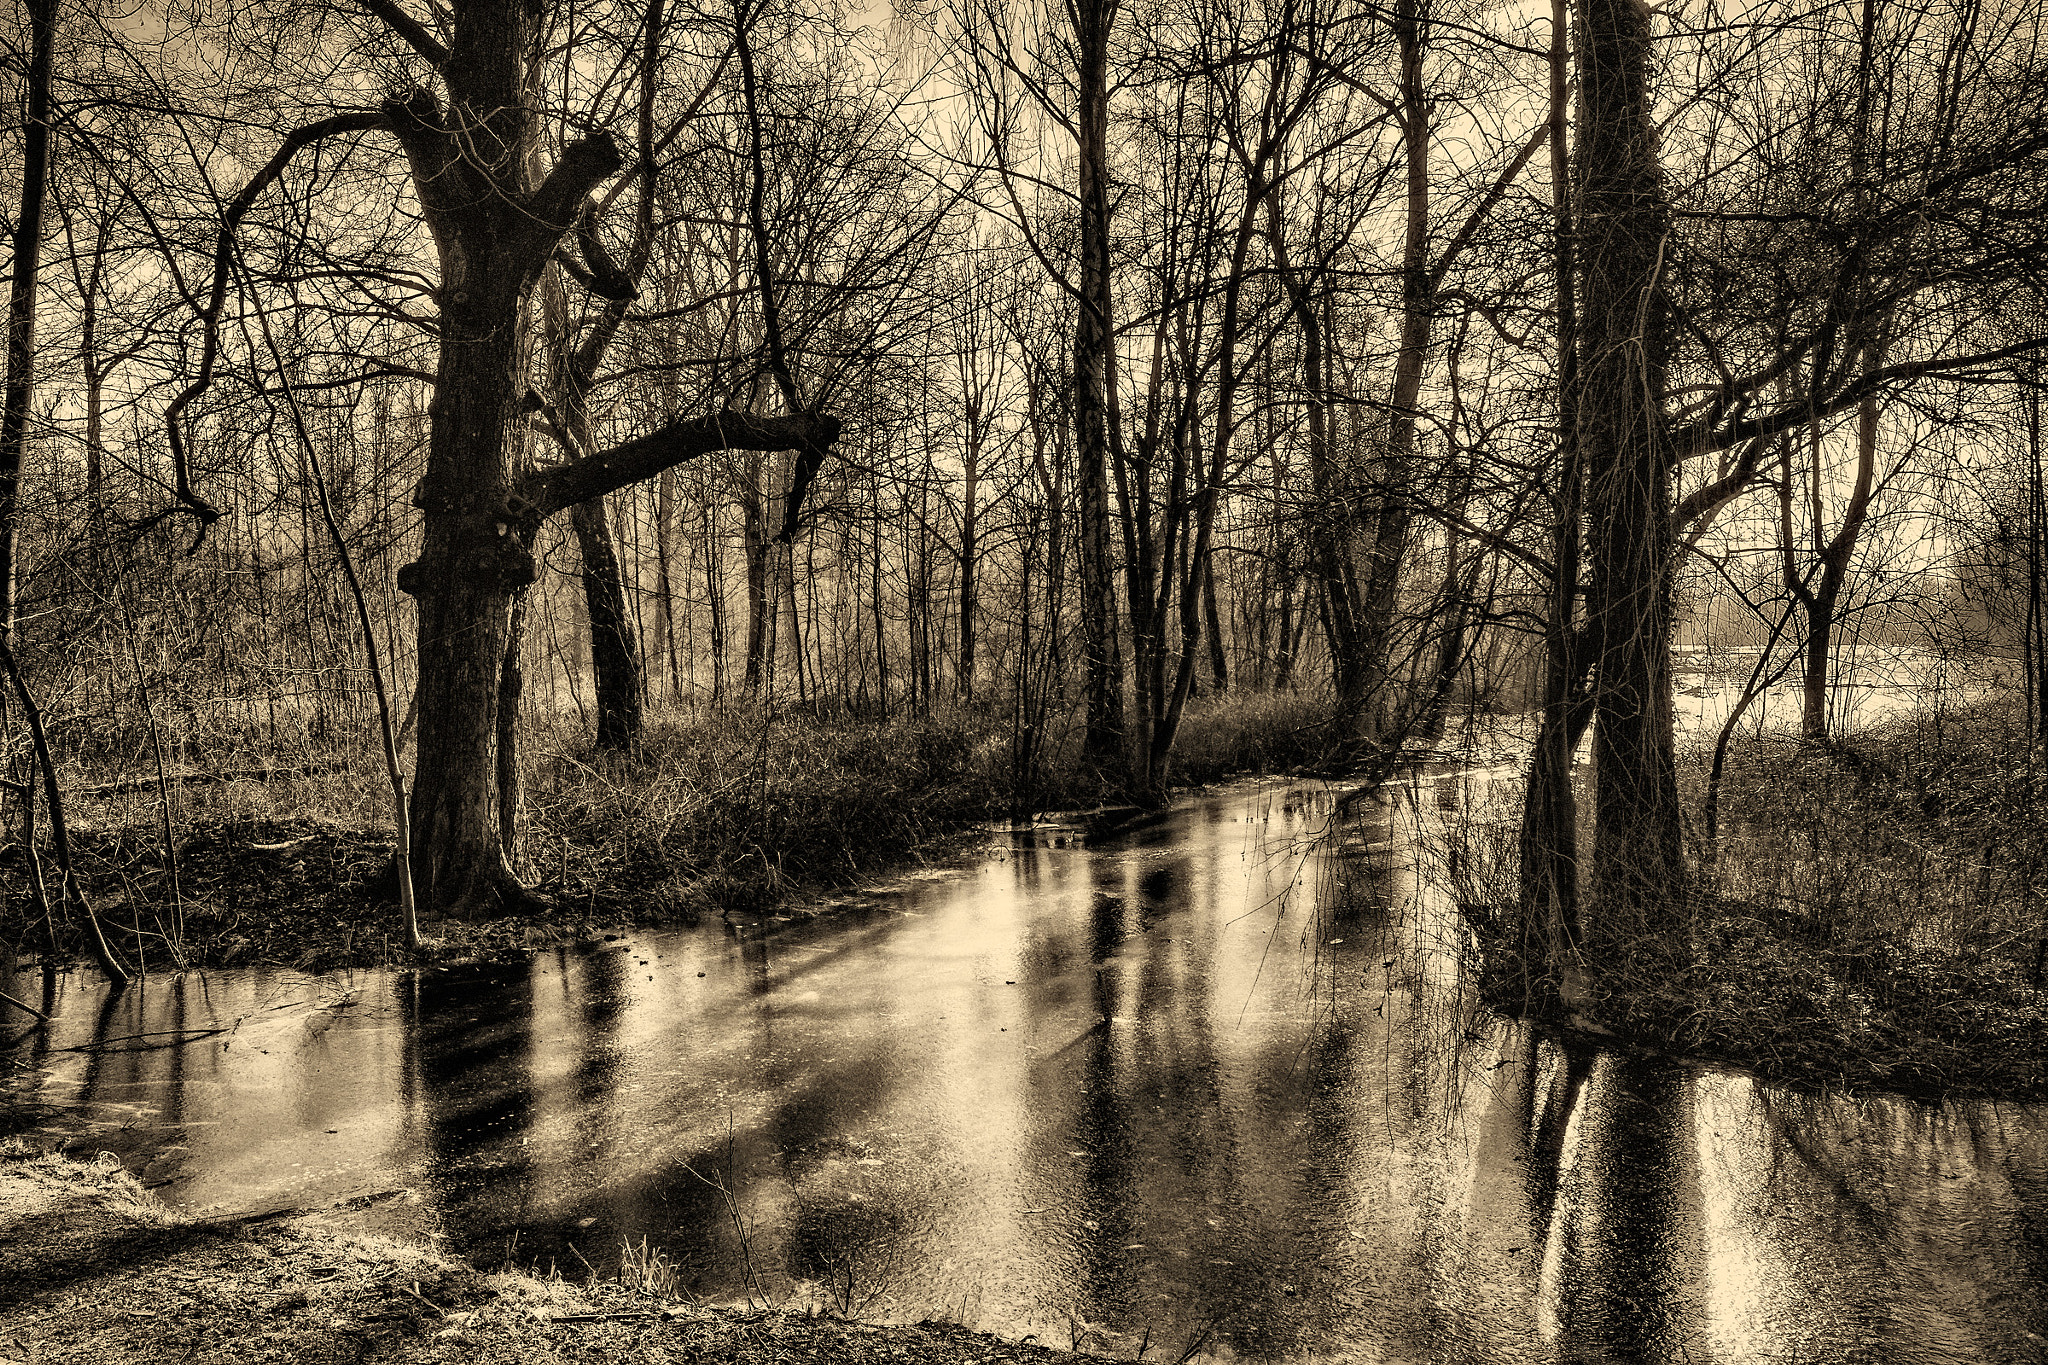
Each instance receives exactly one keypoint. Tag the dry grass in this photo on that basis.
(1873, 917)
(739, 810)
(94, 1271)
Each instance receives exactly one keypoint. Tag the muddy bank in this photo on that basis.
(93, 1269)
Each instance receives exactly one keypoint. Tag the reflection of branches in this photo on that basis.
(1196, 1342)
(1802, 1125)
(739, 1224)
(176, 1037)
(5, 998)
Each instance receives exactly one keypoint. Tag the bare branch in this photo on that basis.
(410, 29)
(223, 259)
(584, 165)
(1702, 440)
(547, 491)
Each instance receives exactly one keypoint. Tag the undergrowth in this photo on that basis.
(1872, 918)
(284, 857)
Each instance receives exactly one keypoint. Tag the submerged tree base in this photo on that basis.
(1872, 920)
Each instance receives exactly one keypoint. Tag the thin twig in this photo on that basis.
(179, 1036)
(20, 1005)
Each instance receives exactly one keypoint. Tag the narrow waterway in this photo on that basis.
(1212, 1083)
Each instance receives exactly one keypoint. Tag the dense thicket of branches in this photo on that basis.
(1075, 360)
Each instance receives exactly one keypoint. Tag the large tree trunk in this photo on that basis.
(25, 270)
(468, 569)
(1638, 882)
(1104, 740)
(495, 224)
(1367, 715)
(497, 218)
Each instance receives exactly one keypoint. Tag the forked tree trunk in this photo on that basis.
(494, 229)
(497, 218)
(1823, 602)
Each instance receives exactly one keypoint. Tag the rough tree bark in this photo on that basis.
(25, 271)
(497, 217)
(1638, 873)
(496, 223)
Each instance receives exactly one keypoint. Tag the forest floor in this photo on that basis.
(1872, 916)
(95, 1270)
(283, 856)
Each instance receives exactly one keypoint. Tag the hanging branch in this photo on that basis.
(223, 265)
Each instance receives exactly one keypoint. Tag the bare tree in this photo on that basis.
(498, 215)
